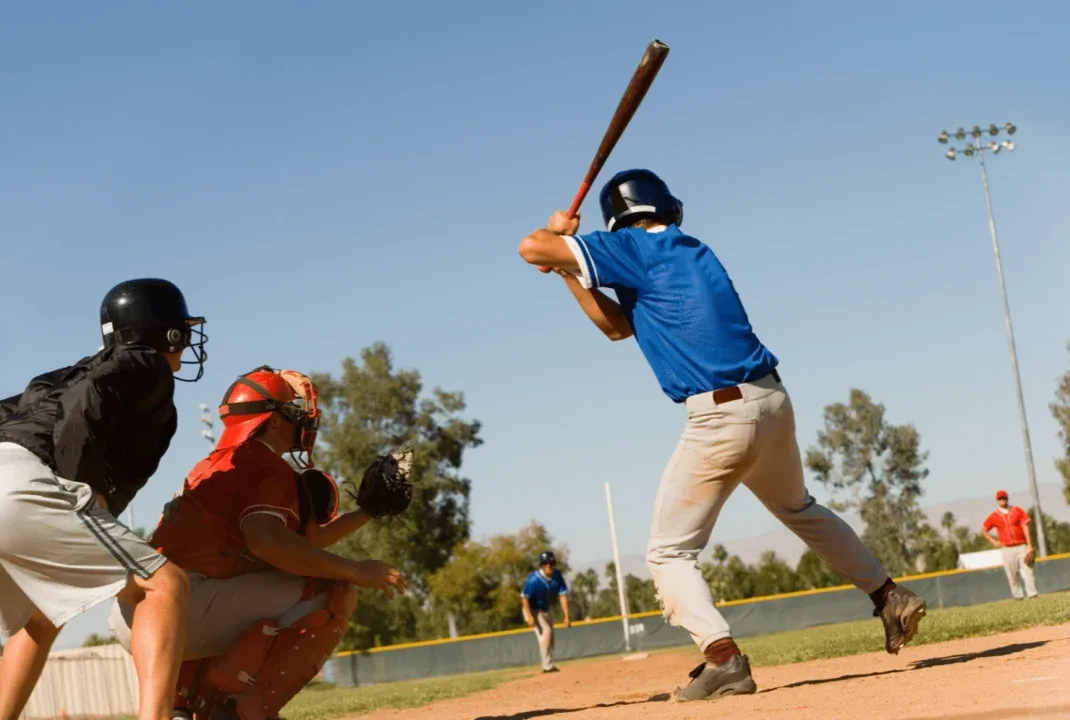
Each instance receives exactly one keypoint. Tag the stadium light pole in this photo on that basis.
(976, 146)
(208, 432)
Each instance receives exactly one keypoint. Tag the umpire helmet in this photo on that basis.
(153, 312)
(547, 558)
(632, 195)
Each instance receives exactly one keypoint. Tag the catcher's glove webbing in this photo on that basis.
(1030, 558)
(386, 488)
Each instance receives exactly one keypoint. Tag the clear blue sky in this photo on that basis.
(323, 176)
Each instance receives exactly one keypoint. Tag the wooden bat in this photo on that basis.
(642, 79)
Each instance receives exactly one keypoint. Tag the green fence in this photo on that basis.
(649, 631)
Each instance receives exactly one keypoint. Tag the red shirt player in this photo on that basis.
(268, 604)
(1011, 524)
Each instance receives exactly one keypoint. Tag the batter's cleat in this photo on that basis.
(714, 681)
(902, 612)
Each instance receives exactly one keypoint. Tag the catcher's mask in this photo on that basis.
(254, 396)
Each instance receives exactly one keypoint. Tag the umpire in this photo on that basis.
(75, 448)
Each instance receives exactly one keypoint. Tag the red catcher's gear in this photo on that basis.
(251, 399)
(268, 665)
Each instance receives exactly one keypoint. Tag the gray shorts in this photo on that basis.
(60, 552)
(222, 610)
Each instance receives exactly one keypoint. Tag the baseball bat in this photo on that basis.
(642, 79)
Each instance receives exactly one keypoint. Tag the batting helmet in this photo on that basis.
(632, 195)
(547, 558)
(152, 312)
(251, 399)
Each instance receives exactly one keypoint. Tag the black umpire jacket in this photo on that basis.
(105, 421)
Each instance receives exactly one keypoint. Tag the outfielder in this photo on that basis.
(75, 448)
(1011, 524)
(268, 603)
(541, 589)
(675, 297)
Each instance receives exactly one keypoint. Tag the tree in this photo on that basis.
(481, 583)
(94, 640)
(880, 467)
(773, 576)
(640, 594)
(729, 577)
(373, 409)
(582, 594)
(1060, 410)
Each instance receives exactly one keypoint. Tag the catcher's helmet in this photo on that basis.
(631, 195)
(253, 397)
(152, 312)
(547, 558)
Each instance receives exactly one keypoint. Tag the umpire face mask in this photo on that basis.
(194, 341)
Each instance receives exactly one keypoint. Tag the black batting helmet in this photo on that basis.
(632, 195)
(547, 558)
(152, 312)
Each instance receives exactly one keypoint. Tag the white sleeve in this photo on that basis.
(585, 273)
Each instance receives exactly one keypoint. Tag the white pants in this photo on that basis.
(544, 630)
(1014, 565)
(749, 441)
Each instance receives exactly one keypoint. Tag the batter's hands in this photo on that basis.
(562, 224)
(377, 575)
(530, 620)
(568, 623)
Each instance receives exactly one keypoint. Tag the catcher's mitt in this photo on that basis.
(386, 488)
(1030, 557)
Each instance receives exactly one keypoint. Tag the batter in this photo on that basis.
(677, 300)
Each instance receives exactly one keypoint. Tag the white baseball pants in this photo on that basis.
(1014, 565)
(749, 441)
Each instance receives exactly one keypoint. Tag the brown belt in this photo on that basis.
(729, 394)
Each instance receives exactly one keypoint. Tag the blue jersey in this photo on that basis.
(682, 307)
(542, 591)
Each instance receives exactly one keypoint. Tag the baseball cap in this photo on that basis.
(1001, 495)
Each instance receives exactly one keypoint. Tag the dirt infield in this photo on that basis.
(1019, 674)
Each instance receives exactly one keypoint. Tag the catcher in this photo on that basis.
(268, 604)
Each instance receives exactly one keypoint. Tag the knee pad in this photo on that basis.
(275, 663)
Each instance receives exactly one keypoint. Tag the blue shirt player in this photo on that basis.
(541, 589)
(675, 298)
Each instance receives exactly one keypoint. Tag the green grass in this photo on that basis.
(320, 701)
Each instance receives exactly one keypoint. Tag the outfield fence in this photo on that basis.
(647, 631)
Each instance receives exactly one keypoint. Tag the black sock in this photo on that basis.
(879, 595)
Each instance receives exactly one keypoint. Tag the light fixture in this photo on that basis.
(976, 132)
(1010, 128)
(960, 134)
(993, 130)
(1009, 144)
(951, 154)
(968, 152)
(943, 137)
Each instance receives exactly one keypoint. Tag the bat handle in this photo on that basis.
(578, 200)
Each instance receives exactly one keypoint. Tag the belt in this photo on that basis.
(729, 394)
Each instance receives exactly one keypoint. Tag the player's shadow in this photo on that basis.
(1001, 651)
(546, 712)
